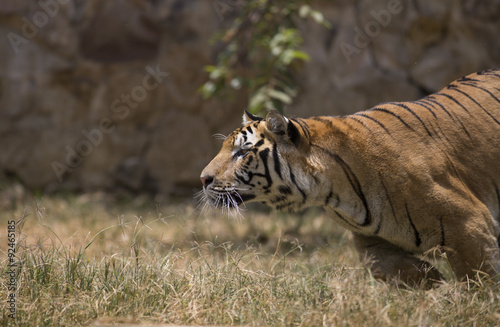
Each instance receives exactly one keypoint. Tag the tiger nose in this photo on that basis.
(206, 180)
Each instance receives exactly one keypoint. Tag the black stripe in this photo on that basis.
(394, 115)
(454, 100)
(243, 180)
(353, 180)
(434, 102)
(467, 79)
(345, 220)
(249, 161)
(429, 98)
(252, 116)
(293, 133)
(264, 155)
(276, 159)
(324, 121)
(356, 186)
(498, 200)
(379, 226)
(389, 200)
(480, 106)
(489, 72)
(418, 103)
(258, 144)
(359, 122)
(493, 74)
(303, 126)
(249, 129)
(244, 197)
(453, 167)
(283, 189)
(405, 107)
(429, 108)
(374, 120)
(483, 89)
(328, 197)
(292, 178)
(418, 241)
(443, 240)
(278, 199)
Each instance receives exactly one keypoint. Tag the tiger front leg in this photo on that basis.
(475, 254)
(388, 262)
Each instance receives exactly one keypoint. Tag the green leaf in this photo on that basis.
(290, 55)
(209, 68)
(320, 19)
(304, 11)
(235, 83)
(216, 73)
(281, 96)
(276, 50)
(257, 100)
(208, 89)
(301, 55)
(260, 52)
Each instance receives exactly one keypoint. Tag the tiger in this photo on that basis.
(406, 178)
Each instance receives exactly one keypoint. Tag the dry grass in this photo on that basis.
(84, 259)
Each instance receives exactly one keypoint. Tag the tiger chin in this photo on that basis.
(407, 178)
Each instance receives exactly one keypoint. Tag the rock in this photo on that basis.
(120, 30)
(173, 156)
(102, 95)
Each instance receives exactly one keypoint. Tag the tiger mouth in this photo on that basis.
(228, 198)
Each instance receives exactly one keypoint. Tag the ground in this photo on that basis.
(92, 260)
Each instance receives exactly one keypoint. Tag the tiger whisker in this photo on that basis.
(242, 202)
(219, 136)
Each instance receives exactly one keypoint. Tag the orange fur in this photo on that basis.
(405, 177)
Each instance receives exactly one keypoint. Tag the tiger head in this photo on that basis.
(264, 160)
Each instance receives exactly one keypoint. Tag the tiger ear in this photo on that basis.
(276, 123)
(282, 126)
(249, 117)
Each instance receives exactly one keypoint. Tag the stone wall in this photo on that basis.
(103, 94)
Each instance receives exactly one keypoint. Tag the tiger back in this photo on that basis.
(405, 177)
